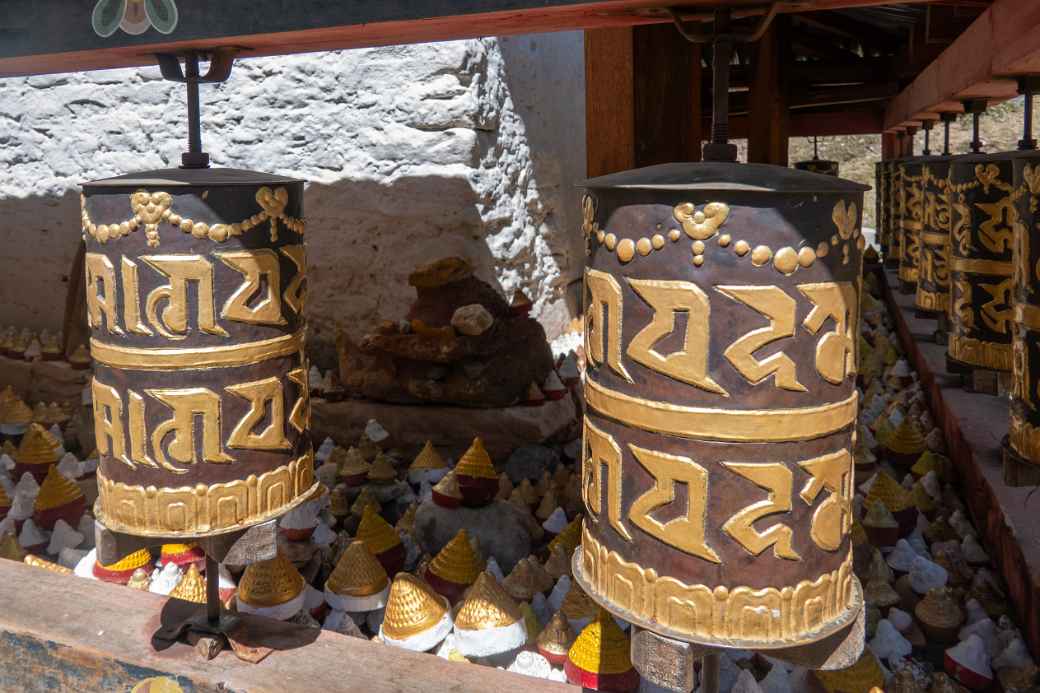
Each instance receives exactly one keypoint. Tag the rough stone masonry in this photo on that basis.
(467, 148)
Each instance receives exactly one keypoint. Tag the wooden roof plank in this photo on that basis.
(1002, 43)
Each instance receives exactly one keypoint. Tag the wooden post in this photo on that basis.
(889, 145)
(767, 137)
(642, 98)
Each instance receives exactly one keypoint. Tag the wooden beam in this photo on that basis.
(642, 96)
(854, 121)
(41, 36)
(767, 141)
(63, 633)
(1002, 43)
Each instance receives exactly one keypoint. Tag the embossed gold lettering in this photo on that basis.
(295, 294)
(777, 479)
(108, 420)
(687, 532)
(666, 298)
(181, 269)
(101, 292)
(300, 416)
(602, 451)
(187, 404)
(604, 296)
(833, 517)
(260, 269)
(836, 351)
(774, 303)
(262, 395)
(132, 298)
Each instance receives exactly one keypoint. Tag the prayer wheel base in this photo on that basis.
(988, 382)
(1018, 471)
(956, 367)
(906, 287)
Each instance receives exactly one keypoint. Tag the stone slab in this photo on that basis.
(451, 428)
(974, 425)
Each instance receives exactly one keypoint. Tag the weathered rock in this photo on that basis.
(530, 462)
(498, 529)
(472, 320)
(450, 428)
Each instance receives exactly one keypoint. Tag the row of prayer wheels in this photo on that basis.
(958, 228)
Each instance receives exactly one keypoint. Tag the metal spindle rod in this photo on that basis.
(212, 592)
(722, 53)
(927, 137)
(191, 75)
(710, 673)
(946, 134)
(1025, 85)
(976, 145)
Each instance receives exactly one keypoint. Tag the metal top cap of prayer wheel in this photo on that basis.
(196, 283)
(721, 307)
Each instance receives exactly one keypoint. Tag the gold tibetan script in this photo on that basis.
(260, 271)
(172, 444)
(602, 451)
(667, 298)
(836, 351)
(776, 305)
(671, 471)
(833, 517)
(256, 300)
(604, 297)
(777, 479)
(833, 302)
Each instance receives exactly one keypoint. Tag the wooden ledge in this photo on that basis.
(59, 632)
(974, 425)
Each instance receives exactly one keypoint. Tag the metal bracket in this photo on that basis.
(711, 36)
(221, 61)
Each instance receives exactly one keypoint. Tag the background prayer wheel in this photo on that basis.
(933, 274)
(721, 305)
(912, 218)
(881, 210)
(1024, 433)
(195, 294)
(896, 205)
(982, 212)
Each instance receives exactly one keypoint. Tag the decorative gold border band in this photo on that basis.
(908, 273)
(1028, 316)
(201, 510)
(136, 358)
(735, 616)
(933, 238)
(766, 425)
(976, 352)
(910, 225)
(1024, 439)
(975, 266)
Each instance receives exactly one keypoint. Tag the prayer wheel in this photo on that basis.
(721, 305)
(896, 206)
(912, 207)
(1024, 433)
(881, 183)
(933, 276)
(196, 283)
(982, 215)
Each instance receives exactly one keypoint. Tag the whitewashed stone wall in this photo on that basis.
(412, 153)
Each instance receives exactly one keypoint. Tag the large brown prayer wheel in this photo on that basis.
(1024, 434)
(933, 276)
(721, 305)
(195, 293)
(881, 209)
(982, 210)
(821, 166)
(912, 219)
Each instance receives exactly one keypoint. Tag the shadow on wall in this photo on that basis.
(364, 239)
(545, 74)
(39, 236)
